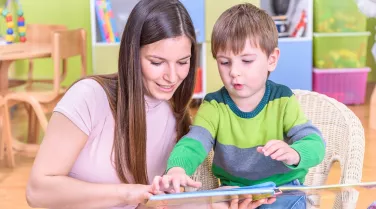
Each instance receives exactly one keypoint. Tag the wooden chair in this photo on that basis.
(39, 34)
(345, 143)
(65, 44)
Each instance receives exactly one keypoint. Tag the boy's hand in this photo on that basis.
(172, 181)
(281, 151)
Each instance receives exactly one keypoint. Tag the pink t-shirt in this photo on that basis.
(86, 105)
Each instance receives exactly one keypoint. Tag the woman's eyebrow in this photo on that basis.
(157, 57)
(188, 56)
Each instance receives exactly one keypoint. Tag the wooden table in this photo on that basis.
(19, 51)
(9, 54)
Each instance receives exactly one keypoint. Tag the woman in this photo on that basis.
(111, 134)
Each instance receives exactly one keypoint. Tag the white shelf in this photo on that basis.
(198, 96)
(293, 39)
(106, 44)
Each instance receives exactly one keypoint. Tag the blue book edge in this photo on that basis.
(258, 191)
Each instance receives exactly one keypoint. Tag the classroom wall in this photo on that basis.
(73, 14)
(371, 26)
(76, 13)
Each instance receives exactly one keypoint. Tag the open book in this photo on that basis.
(259, 191)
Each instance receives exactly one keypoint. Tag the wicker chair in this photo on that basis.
(344, 135)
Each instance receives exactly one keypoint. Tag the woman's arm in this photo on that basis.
(49, 185)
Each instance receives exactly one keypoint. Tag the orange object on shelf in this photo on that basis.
(198, 86)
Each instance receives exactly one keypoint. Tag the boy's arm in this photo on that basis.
(193, 148)
(303, 136)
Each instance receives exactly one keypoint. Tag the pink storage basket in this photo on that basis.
(345, 85)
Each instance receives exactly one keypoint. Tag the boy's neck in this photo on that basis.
(250, 103)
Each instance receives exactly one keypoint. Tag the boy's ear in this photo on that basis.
(273, 60)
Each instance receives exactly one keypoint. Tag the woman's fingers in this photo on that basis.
(245, 203)
(257, 203)
(155, 186)
(234, 204)
(270, 200)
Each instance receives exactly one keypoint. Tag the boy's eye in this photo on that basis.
(247, 61)
(224, 63)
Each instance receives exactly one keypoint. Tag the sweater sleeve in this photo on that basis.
(303, 136)
(193, 148)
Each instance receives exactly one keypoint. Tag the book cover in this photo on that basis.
(259, 191)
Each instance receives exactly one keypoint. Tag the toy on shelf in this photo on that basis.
(106, 22)
(7, 14)
(290, 17)
(298, 17)
(338, 16)
(340, 50)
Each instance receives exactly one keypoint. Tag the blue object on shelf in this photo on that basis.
(294, 68)
(20, 24)
(196, 9)
(10, 31)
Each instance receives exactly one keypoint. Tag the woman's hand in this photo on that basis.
(244, 202)
(172, 181)
(135, 194)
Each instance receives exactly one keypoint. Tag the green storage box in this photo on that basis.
(330, 16)
(340, 50)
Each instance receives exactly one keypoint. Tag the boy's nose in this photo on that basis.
(234, 72)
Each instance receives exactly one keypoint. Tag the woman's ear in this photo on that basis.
(273, 60)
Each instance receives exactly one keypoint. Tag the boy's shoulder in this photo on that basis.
(216, 96)
(278, 91)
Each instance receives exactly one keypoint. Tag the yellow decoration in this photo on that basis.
(9, 38)
(10, 24)
(22, 29)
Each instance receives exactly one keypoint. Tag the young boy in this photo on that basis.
(255, 126)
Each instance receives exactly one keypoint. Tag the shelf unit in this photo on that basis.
(295, 59)
(295, 52)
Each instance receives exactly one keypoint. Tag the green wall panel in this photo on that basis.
(214, 8)
(213, 80)
(73, 14)
(105, 59)
(371, 26)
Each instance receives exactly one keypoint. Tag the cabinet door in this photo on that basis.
(196, 9)
(294, 67)
(214, 8)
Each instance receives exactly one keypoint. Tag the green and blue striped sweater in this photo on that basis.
(235, 135)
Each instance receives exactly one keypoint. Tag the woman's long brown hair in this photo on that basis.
(149, 22)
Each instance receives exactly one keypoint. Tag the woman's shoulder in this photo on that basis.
(87, 90)
(87, 85)
(85, 103)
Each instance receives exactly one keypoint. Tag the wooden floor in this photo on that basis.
(13, 181)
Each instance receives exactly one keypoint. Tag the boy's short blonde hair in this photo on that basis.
(242, 22)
